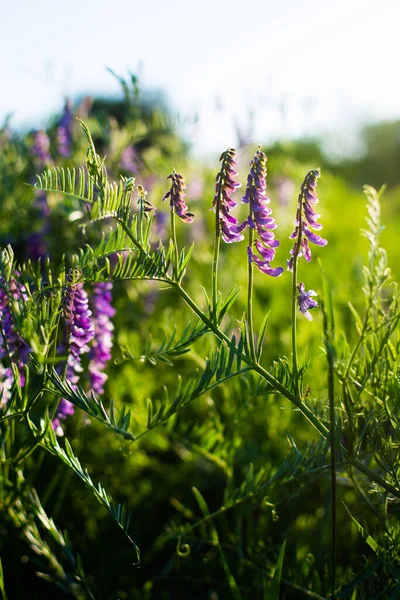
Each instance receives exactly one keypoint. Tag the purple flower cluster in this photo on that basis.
(176, 197)
(305, 302)
(260, 216)
(225, 185)
(306, 218)
(64, 131)
(77, 315)
(41, 147)
(81, 332)
(12, 346)
(100, 352)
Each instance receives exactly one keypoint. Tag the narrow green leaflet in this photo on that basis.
(66, 455)
(92, 406)
(273, 591)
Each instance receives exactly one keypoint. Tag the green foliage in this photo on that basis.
(204, 442)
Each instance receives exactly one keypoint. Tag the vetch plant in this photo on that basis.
(306, 217)
(57, 341)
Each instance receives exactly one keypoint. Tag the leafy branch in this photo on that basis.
(91, 405)
(67, 456)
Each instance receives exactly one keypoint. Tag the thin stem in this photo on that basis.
(258, 368)
(250, 277)
(331, 396)
(139, 222)
(302, 407)
(176, 252)
(214, 277)
(217, 244)
(296, 251)
(294, 332)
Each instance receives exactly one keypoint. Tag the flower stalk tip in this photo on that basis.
(177, 196)
(260, 219)
(306, 220)
(225, 185)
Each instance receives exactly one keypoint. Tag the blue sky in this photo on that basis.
(298, 66)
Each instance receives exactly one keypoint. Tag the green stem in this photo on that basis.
(217, 243)
(296, 251)
(139, 222)
(250, 277)
(294, 332)
(176, 252)
(258, 368)
(302, 407)
(331, 396)
(214, 276)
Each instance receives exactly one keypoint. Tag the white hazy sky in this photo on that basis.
(300, 66)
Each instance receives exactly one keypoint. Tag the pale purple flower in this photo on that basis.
(225, 185)
(306, 217)
(195, 188)
(41, 147)
(129, 160)
(260, 217)
(177, 196)
(64, 131)
(100, 352)
(160, 222)
(305, 302)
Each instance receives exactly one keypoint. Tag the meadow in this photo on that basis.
(189, 409)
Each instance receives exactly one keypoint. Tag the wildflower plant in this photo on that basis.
(57, 341)
(306, 217)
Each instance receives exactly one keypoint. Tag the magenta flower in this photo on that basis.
(225, 185)
(176, 197)
(260, 217)
(306, 217)
(305, 302)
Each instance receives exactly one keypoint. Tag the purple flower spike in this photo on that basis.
(100, 352)
(64, 131)
(81, 331)
(12, 346)
(260, 216)
(40, 150)
(225, 185)
(306, 217)
(306, 303)
(176, 197)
